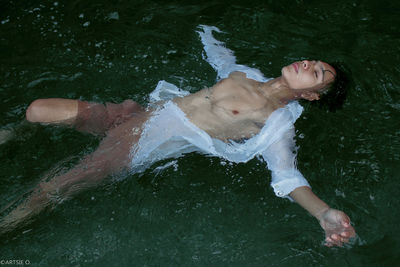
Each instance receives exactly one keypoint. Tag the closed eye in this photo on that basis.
(316, 74)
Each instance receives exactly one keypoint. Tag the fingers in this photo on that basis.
(345, 240)
(348, 232)
(331, 241)
(345, 220)
(337, 240)
(345, 223)
(338, 229)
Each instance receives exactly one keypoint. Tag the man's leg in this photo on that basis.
(84, 116)
(53, 110)
(111, 158)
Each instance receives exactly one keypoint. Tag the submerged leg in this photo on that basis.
(111, 157)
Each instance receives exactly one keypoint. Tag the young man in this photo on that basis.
(241, 116)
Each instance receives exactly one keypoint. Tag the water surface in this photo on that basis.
(202, 211)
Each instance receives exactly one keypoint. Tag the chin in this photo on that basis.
(284, 71)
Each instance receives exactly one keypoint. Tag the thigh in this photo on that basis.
(112, 157)
(118, 143)
(98, 118)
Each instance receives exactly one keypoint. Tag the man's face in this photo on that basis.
(308, 75)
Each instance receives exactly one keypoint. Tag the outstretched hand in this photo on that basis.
(337, 227)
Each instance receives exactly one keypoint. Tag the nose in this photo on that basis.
(306, 64)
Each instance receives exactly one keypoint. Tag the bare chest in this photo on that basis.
(240, 101)
(229, 110)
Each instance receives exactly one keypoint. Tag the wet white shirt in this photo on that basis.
(168, 133)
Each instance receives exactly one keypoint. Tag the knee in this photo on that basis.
(52, 110)
(35, 111)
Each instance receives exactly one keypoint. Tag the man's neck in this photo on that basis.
(278, 90)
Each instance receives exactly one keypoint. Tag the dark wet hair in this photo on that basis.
(334, 95)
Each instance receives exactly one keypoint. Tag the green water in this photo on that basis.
(202, 211)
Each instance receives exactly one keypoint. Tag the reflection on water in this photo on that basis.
(201, 210)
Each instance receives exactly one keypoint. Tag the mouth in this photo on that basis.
(296, 67)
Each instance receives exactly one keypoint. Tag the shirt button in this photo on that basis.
(279, 193)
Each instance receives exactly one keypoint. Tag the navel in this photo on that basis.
(235, 112)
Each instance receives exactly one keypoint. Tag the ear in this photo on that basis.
(310, 96)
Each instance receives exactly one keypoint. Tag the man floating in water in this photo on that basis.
(240, 117)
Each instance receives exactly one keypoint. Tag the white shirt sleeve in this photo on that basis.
(222, 59)
(281, 160)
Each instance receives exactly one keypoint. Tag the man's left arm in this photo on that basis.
(221, 58)
(335, 223)
(288, 182)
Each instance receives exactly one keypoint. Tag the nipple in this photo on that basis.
(235, 112)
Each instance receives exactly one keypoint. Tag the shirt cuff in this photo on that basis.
(284, 182)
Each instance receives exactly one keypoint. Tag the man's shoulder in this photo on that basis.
(241, 77)
(237, 74)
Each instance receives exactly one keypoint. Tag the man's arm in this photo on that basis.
(288, 182)
(335, 223)
(221, 58)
